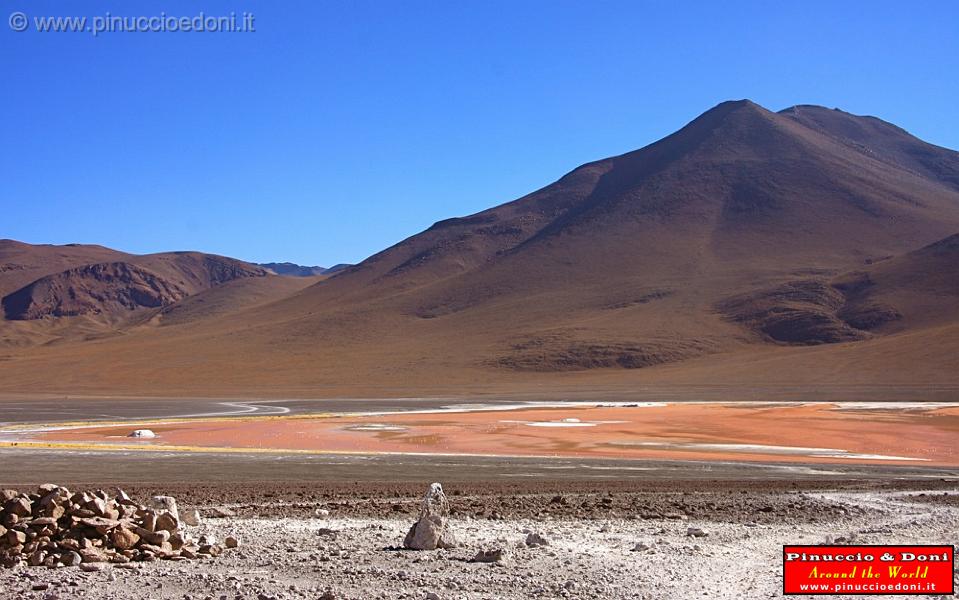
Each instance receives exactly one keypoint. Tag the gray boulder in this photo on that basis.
(191, 517)
(534, 539)
(491, 555)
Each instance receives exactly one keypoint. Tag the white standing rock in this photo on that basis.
(430, 530)
(143, 433)
(167, 503)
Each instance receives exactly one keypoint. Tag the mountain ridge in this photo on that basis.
(748, 233)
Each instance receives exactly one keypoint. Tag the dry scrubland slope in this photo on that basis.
(808, 245)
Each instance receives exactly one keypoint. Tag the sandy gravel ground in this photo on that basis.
(288, 551)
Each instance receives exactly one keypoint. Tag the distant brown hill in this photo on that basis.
(809, 237)
(21, 264)
(151, 281)
(66, 294)
(293, 269)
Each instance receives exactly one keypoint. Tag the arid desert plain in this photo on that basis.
(580, 499)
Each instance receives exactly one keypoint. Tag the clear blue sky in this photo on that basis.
(341, 127)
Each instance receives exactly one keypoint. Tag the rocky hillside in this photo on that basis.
(150, 281)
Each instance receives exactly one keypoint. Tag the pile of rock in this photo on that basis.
(55, 527)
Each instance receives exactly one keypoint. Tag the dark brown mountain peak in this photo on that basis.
(731, 109)
(736, 178)
(839, 122)
(880, 140)
(734, 121)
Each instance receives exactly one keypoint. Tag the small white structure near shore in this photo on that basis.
(143, 433)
